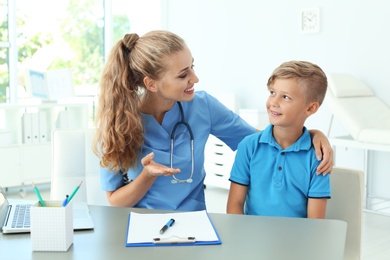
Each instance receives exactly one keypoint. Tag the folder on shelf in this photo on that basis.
(27, 128)
(35, 127)
(189, 228)
(42, 127)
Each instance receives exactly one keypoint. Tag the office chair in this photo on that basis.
(346, 204)
(75, 162)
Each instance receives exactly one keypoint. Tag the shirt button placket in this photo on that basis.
(279, 174)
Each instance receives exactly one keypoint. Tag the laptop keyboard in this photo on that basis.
(22, 216)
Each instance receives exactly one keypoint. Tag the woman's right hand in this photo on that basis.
(156, 169)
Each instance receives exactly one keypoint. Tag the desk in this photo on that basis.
(248, 237)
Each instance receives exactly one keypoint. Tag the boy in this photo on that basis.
(274, 173)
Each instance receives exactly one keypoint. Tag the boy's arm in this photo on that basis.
(236, 199)
(316, 208)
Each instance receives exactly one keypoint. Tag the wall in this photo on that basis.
(237, 44)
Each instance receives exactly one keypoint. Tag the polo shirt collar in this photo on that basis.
(303, 143)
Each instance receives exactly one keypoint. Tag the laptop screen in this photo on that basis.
(3, 209)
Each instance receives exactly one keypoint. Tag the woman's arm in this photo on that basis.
(236, 199)
(316, 208)
(324, 151)
(130, 194)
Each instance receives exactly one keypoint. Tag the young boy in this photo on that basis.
(274, 173)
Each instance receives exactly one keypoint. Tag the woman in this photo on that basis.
(147, 87)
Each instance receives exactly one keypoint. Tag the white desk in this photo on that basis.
(243, 237)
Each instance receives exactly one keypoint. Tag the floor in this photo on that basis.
(375, 231)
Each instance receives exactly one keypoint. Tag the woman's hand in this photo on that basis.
(324, 151)
(156, 169)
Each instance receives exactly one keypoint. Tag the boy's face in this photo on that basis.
(286, 104)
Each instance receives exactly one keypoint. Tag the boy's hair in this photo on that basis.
(310, 77)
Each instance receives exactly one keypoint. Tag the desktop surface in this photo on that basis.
(248, 237)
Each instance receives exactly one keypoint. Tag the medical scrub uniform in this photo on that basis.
(279, 181)
(205, 115)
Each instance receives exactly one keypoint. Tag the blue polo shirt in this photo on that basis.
(279, 181)
(205, 115)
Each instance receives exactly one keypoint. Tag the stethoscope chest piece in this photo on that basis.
(175, 181)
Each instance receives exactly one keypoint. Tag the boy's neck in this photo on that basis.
(286, 136)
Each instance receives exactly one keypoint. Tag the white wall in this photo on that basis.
(237, 44)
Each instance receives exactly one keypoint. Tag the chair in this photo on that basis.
(73, 162)
(346, 204)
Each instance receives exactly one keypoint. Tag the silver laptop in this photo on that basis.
(15, 215)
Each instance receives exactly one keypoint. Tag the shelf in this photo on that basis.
(25, 139)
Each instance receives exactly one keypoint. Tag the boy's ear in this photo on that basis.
(150, 84)
(312, 108)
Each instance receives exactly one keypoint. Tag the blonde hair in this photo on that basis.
(120, 131)
(310, 77)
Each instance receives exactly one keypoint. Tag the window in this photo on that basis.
(4, 51)
(75, 34)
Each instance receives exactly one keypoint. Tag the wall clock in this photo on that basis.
(310, 20)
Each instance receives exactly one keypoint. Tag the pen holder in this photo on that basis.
(51, 226)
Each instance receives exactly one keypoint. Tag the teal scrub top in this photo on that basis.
(205, 115)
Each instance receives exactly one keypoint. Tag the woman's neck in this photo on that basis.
(157, 107)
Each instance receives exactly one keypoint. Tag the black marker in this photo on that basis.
(166, 226)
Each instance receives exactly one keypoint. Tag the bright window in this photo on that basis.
(4, 51)
(53, 35)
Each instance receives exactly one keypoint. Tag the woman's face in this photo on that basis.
(178, 83)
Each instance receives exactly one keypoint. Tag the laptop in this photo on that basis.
(15, 215)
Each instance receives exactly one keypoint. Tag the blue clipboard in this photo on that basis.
(174, 240)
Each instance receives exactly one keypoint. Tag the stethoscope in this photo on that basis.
(182, 122)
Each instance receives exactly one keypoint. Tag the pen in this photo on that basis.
(166, 226)
(74, 192)
(38, 195)
(65, 201)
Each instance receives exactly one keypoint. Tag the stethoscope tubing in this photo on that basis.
(182, 122)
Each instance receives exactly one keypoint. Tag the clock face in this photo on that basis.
(310, 20)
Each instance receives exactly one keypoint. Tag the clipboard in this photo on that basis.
(190, 228)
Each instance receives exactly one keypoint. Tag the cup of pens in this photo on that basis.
(51, 224)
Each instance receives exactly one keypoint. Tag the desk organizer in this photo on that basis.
(51, 226)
